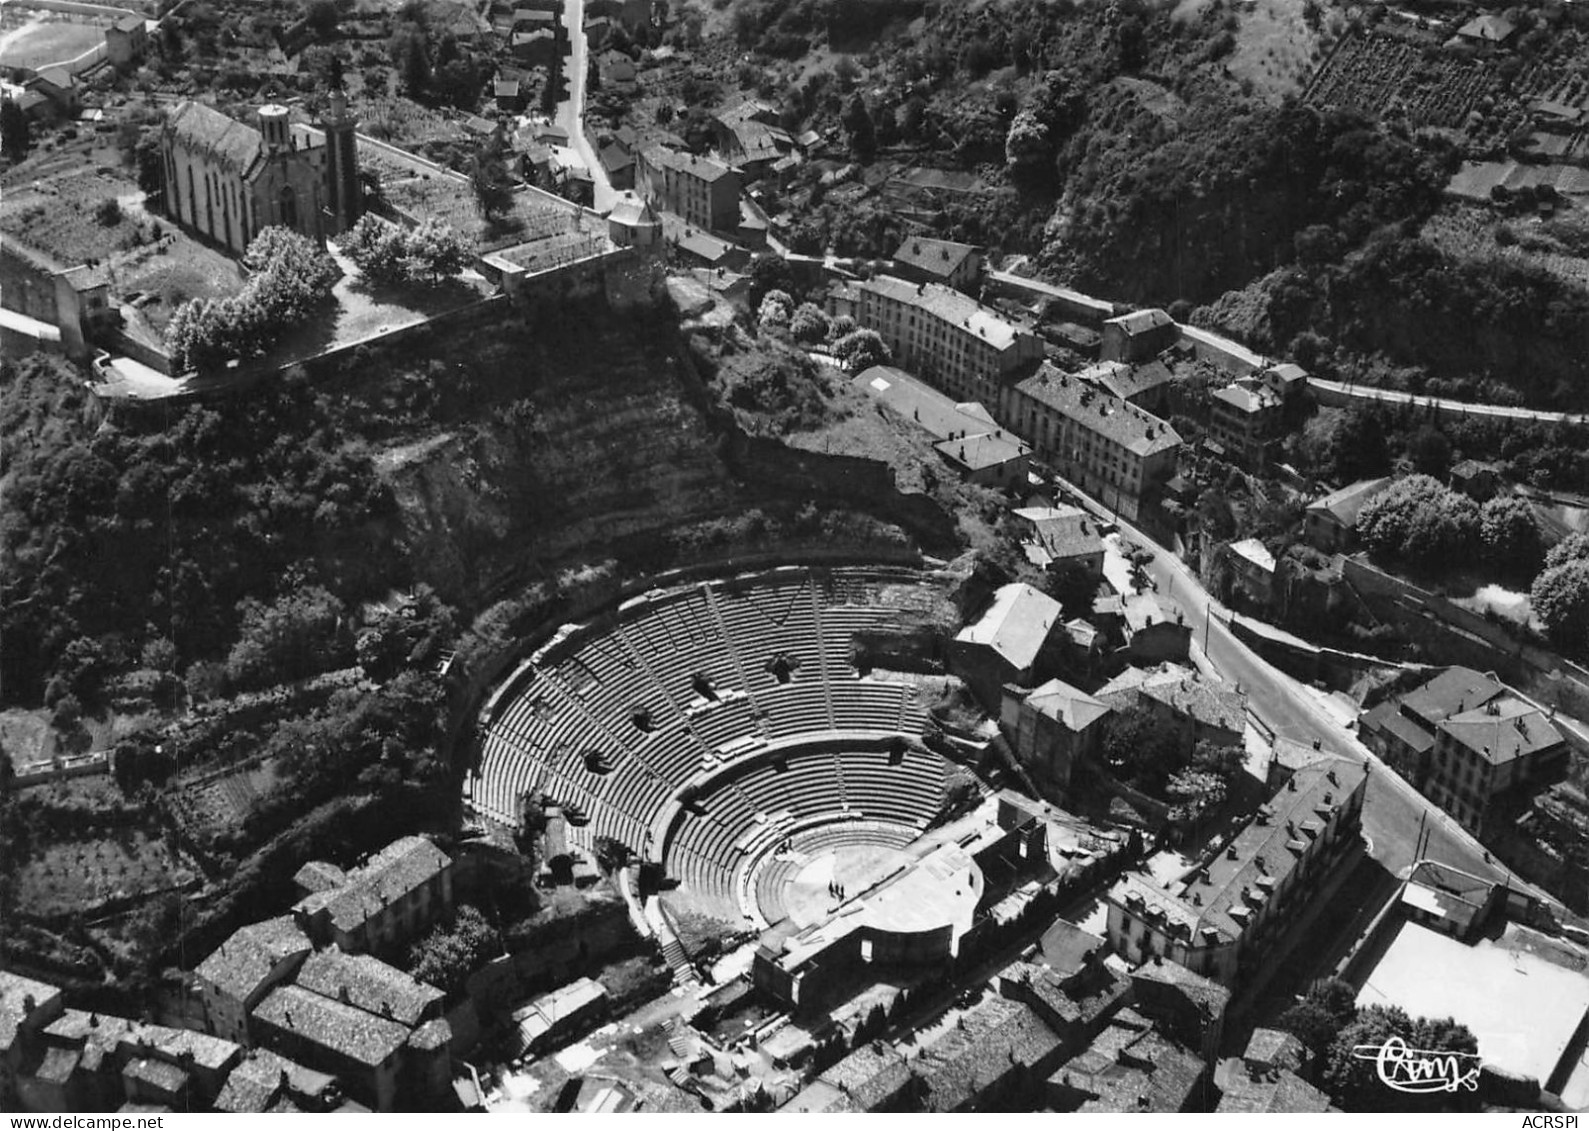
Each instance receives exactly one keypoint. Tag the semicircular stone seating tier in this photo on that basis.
(615, 719)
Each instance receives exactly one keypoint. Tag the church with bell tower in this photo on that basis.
(227, 179)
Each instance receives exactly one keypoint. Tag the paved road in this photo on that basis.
(1101, 307)
(1394, 813)
(571, 111)
(1443, 405)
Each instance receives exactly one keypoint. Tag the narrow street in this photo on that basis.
(571, 111)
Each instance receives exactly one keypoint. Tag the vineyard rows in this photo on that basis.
(1428, 85)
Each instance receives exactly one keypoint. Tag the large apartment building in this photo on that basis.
(1108, 447)
(1466, 740)
(381, 906)
(703, 191)
(947, 338)
(1222, 919)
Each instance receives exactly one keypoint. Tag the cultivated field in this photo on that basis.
(227, 801)
(60, 214)
(77, 875)
(1375, 74)
(1472, 233)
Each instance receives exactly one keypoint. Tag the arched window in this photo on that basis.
(289, 207)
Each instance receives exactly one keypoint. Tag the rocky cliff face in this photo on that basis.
(596, 452)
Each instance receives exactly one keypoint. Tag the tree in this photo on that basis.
(322, 16)
(768, 273)
(1560, 599)
(1344, 445)
(291, 278)
(388, 253)
(773, 318)
(1138, 750)
(448, 955)
(15, 137)
(300, 634)
(488, 176)
(1569, 549)
(1317, 1019)
(1430, 451)
(411, 54)
(1510, 533)
(1073, 587)
(808, 324)
(1028, 147)
(863, 137)
(409, 635)
(1353, 1080)
(1419, 518)
(146, 155)
(159, 654)
(861, 349)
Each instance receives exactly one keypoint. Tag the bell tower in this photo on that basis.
(343, 194)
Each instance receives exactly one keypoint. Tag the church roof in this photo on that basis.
(199, 127)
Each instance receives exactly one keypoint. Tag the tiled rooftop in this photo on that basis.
(702, 168)
(1063, 532)
(1345, 503)
(390, 875)
(1452, 692)
(241, 964)
(344, 1029)
(1216, 900)
(369, 983)
(949, 305)
(1503, 730)
(1207, 699)
(1133, 1068)
(1060, 701)
(936, 257)
(1141, 321)
(1098, 412)
(976, 453)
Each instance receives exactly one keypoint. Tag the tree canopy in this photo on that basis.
(1420, 519)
